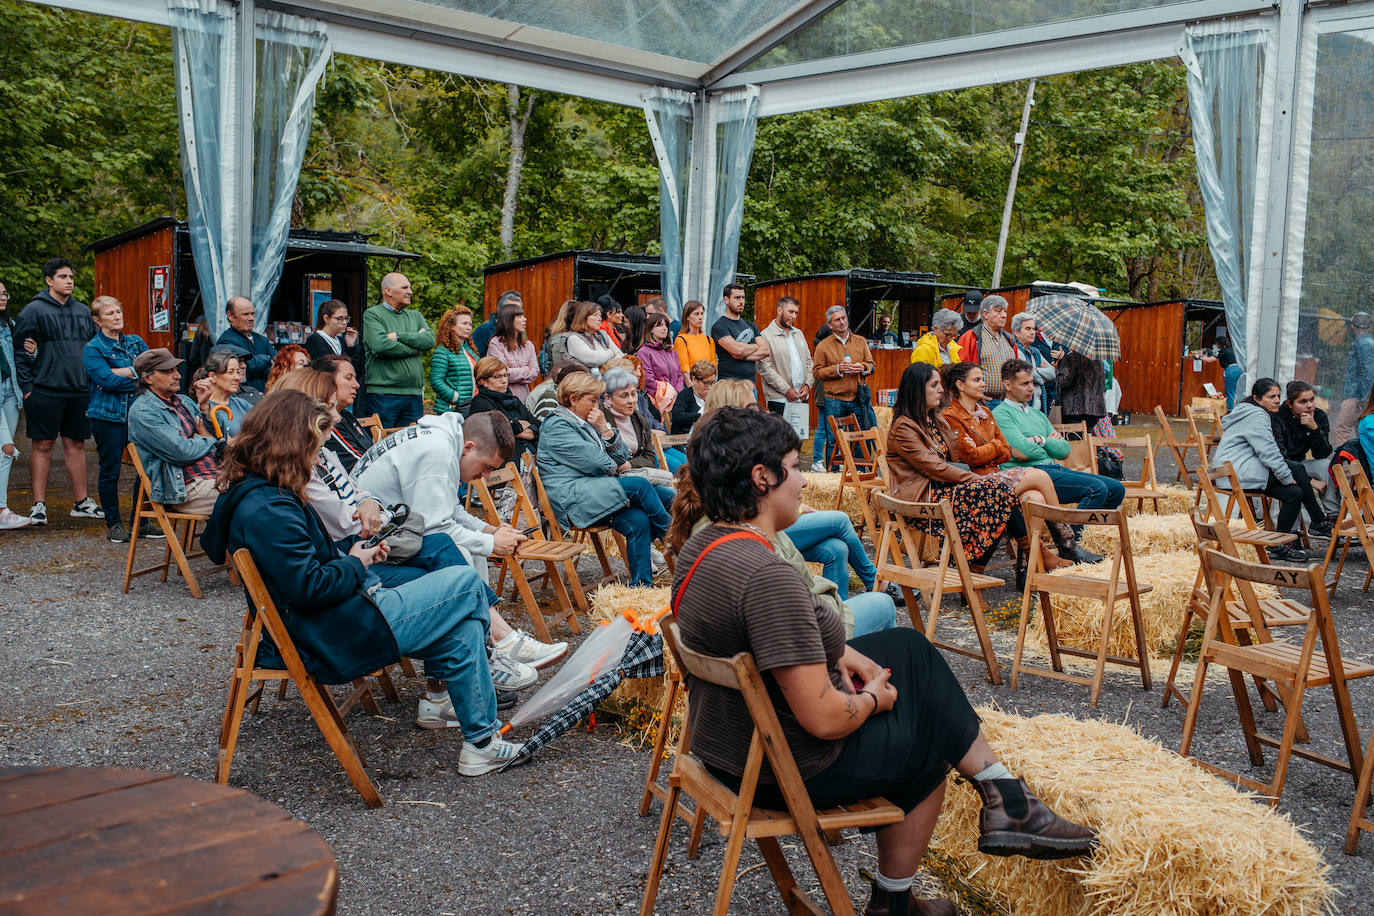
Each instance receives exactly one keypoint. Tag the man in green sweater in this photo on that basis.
(396, 337)
(1036, 443)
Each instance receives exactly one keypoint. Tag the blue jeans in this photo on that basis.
(675, 458)
(110, 439)
(834, 407)
(829, 538)
(443, 619)
(437, 551)
(1090, 491)
(873, 611)
(11, 408)
(645, 518)
(1231, 374)
(397, 409)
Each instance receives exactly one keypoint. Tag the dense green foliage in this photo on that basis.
(88, 147)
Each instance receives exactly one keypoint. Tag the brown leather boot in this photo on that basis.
(1014, 822)
(901, 903)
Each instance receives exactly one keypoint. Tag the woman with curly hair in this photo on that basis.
(450, 368)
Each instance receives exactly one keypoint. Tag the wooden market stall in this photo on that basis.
(859, 291)
(547, 281)
(149, 269)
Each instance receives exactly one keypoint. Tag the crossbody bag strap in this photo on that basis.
(732, 536)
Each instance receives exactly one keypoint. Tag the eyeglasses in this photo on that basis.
(497, 375)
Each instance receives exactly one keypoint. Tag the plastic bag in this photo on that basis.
(599, 653)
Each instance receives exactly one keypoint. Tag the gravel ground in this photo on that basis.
(99, 678)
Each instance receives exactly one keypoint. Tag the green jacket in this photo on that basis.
(1019, 426)
(450, 375)
(395, 366)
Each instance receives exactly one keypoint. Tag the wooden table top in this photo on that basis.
(88, 840)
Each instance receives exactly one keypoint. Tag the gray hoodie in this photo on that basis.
(1247, 441)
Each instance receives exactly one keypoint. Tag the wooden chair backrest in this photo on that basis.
(1082, 456)
(131, 452)
(524, 516)
(1123, 559)
(1358, 485)
(265, 610)
(373, 424)
(1191, 414)
(899, 538)
(1166, 430)
(1218, 567)
(1235, 494)
(845, 424)
(545, 506)
(663, 441)
(1144, 444)
(1216, 534)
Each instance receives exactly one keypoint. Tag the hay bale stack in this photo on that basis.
(1173, 839)
(820, 494)
(1078, 621)
(1177, 500)
(883, 415)
(1151, 534)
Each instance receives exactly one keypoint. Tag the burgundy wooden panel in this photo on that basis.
(1151, 356)
(544, 286)
(122, 272)
(814, 294)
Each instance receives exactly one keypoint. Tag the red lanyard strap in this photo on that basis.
(732, 536)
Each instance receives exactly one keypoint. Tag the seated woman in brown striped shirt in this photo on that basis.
(896, 735)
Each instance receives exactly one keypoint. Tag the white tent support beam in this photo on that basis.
(244, 81)
(768, 37)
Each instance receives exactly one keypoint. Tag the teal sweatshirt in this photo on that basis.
(1019, 426)
(395, 366)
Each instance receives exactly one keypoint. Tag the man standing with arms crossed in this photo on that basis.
(738, 347)
(54, 385)
(253, 349)
(395, 338)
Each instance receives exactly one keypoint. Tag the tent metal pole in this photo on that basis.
(240, 204)
(1011, 185)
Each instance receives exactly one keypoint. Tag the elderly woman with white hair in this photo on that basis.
(636, 429)
(937, 347)
(1025, 330)
(583, 462)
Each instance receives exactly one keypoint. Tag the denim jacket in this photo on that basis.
(10, 386)
(155, 429)
(110, 394)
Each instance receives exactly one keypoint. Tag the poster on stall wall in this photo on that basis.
(159, 298)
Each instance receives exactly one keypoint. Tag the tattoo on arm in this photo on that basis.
(851, 707)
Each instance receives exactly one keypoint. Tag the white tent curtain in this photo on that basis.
(669, 113)
(203, 55)
(735, 121)
(1230, 79)
(291, 54)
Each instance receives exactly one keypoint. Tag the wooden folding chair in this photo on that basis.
(1237, 505)
(1120, 584)
(900, 548)
(735, 813)
(861, 452)
(317, 698)
(664, 441)
(1147, 487)
(373, 424)
(1353, 522)
(1180, 450)
(694, 815)
(1201, 442)
(179, 529)
(1082, 456)
(1303, 666)
(553, 553)
(590, 535)
(1272, 612)
(1358, 821)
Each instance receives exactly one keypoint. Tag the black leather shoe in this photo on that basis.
(901, 903)
(1014, 822)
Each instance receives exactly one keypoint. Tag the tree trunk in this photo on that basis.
(518, 123)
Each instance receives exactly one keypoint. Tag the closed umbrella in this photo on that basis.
(1077, 325)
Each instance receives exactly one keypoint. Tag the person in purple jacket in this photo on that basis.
(658, 356)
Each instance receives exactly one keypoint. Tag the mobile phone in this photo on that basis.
(398, 515)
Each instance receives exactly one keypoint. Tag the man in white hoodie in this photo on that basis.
(424, 466)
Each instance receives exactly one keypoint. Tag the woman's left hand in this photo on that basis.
(854, 664)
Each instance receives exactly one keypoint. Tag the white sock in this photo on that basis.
(893, 885)
(436, 696)
(996, 771)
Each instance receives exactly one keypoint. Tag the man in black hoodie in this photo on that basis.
(252, 348)
(53, 382)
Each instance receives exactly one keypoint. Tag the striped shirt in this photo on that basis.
(205, 467)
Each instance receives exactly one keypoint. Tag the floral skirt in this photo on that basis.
(982, 509)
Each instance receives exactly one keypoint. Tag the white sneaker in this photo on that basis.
(437, 715)
(519, 646)
(817, 467)
(656, 558)
(87, 508)
(38, 515)
(474, 760)
(11, 520)
(509, 675)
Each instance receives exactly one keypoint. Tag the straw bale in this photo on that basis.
(1176, 500)
(820, 494)
(1151, 534)
(1173, 839)
(883, 415)
(1078, 621)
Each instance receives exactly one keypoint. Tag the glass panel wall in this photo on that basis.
(1338, 256)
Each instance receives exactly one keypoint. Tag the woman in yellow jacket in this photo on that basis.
(938, 347)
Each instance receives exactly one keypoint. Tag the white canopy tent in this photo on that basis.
(711, 68)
